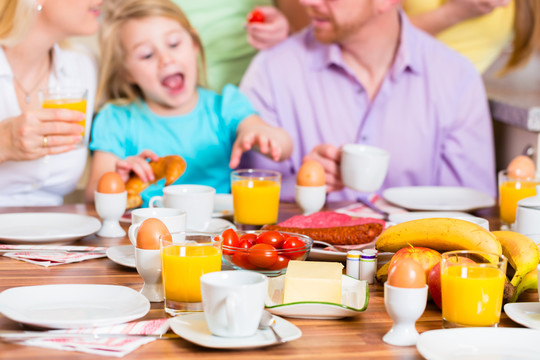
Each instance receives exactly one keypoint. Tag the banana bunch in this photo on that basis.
(521, 251)
(529, 282)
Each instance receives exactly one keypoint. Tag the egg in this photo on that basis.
(311, 173)
(521, 167)
(149, 233)
(407, 273)
(111, 183)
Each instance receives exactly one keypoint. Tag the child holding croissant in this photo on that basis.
(154, 106)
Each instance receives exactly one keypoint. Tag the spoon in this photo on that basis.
(268, 321)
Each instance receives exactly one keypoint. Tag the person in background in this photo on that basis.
(155, 107)
(40, 161)
(230, 41)
(481, 29)
(343, 80)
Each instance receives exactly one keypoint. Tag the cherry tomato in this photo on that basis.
(241, 259)
(281, 263)
(245, 244)
(273, 238)
(230, 240)
(263, 255)
(292, 243)
(256, 16)
(252, 238)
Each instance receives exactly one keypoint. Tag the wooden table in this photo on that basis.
(359, 337)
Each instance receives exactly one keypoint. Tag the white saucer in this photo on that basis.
(524, 313)
(122, 255)
(73, 305)
(193, 328)
(218, 225)
(223, 205)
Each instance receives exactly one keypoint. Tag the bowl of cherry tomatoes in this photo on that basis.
(264, 251)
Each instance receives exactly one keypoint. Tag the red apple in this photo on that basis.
(425, 256)
(434, 280)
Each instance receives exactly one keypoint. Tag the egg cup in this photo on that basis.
(404, 306)
(310, 198)
(148, 264)
(110, 208)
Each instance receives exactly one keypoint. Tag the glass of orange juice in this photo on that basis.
(71, 98)
(185, 256)
(472, 286)
(510, 192)
(255, 197)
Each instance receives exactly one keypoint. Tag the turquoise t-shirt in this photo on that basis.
(204, 137)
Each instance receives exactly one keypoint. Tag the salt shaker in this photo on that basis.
(368, 265)
(353, 263)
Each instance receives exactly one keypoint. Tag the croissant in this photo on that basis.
(170, 167)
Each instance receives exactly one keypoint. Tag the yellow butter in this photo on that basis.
(313, 281)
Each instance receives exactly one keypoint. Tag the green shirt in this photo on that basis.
(220, 24)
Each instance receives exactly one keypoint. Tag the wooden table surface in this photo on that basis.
(358, 337)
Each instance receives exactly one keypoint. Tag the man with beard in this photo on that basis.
(361, 73)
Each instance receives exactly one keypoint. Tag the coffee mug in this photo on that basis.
(363, 167)
(196, 200)
(233, 302)
(174, 220)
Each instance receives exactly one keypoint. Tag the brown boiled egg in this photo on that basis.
(521, 167)
(111, 183)
(311, 173)
(149, 233)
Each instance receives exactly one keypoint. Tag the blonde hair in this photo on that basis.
(16, 19)
(113, 85)
(526, 35)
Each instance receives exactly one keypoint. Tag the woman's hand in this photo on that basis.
(138, 164)
(330, 158)
(35, 134)
(274, 29)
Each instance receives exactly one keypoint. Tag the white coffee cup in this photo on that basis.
(363, 167)
(196, 200)
(233, 302)
(528, 214)
(174, 220)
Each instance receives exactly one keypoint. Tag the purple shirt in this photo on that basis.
(431, 111)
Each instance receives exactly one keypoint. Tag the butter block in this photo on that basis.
(313, 281)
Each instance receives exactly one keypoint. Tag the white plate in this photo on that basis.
(122, 255)
(219, 225)
(319, 253)
(525, 313)
(73, 305)
(223, 205)
(193, 328)
(415, 215)
(480, 343)
(46, 227)
(354, 300)
(439, 198)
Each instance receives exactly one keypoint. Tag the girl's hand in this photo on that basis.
(274, 29)
(330, 158)
(254, 139)
(137, 164)
(35, 134)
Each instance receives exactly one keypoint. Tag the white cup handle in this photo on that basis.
(230, 303)
(132, 233)
(156, 199)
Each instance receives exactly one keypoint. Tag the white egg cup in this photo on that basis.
(404, 306)
(110, 208)
(310, 198)
(148, 264)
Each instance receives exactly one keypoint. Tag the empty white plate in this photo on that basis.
(72, 305)
(193, 328)
(524, 313)
(480, 343)
(122, 255)
(438, 198)
(46, 227)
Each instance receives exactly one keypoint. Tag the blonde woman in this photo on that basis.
(40, 160)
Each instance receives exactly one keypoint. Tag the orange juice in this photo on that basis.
(472, 295)
(510, 192)
(182, 267)
(255, 202)
(70, 104)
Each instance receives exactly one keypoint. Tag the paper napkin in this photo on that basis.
(107, 346)
(52, 258)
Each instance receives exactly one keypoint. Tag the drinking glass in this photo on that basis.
(472, 286)
(71, 98)
(185, 257)
(512, 190)
(255, 197)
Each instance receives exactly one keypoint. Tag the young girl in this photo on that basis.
(149, 79)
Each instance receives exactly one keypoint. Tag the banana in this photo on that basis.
(521, 251)
(529, 282)
(382, 273)
(441, 234)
